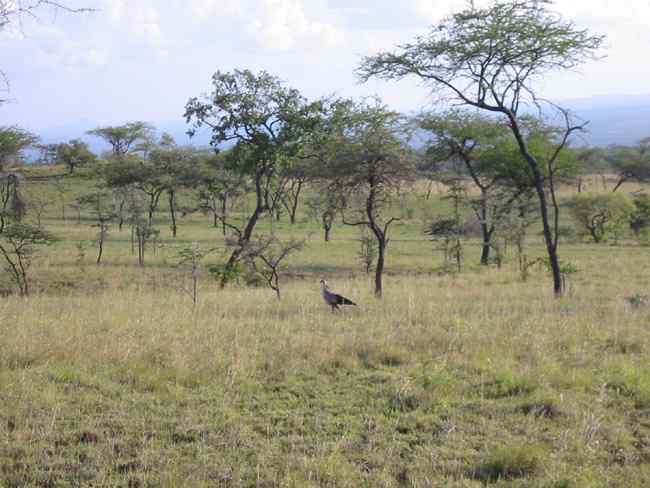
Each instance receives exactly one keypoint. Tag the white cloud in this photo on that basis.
(139, 20)
(206, 10)
(283, 24)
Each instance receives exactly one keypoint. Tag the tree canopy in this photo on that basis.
(13, 140)
(122, 138)
(75, 153)
(490, 58)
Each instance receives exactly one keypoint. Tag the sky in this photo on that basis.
(142, 59)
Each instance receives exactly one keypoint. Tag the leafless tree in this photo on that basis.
(265, 255)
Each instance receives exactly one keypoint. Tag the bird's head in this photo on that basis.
(323, 284)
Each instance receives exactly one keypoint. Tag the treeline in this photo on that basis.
(356, 157)
(268, 141)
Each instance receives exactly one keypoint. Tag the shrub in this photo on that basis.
(601, 214)
(509, 462)
(640, 218)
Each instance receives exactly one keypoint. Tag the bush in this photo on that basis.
(601, 214)
(640, 218)
(229, 275)
(507, 463)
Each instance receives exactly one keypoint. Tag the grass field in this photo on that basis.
(110, 377)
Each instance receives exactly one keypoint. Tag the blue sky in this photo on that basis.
(142, 59)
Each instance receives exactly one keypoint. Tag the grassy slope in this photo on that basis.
(449, 381)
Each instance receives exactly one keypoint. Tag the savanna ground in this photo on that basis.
(109, 376)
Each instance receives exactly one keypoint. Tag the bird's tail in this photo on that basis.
(347, 301)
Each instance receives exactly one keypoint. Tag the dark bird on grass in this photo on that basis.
(333, 299)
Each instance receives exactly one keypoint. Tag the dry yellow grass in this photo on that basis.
(480, 347)
(488, 317)
(111, 377)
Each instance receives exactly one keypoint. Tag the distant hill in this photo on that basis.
(613, 119)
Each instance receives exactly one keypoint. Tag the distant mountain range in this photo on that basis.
(613, 119)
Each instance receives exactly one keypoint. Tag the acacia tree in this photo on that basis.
(601, 213)
(631, 163)
(75, 153)
(489, 58)
(219, 189)
(18, 243)
(297, 175)
(268, 122)
(13, 141)
(368, 158)
(122, 138)
(324, 203)
(100, 204)
(12, 203)
(170, 168)
(131, 173)
(487, 155)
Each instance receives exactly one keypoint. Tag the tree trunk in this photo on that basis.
(141, 241)
(246, 236)
(172, 210)
(548, 240)
(121, 221)
(101, 249)
(379, 269)
(327, 229)
(485, 251)
(618, 184)
(224, 210)
(429, 189)
(153, 204)
(551, 243)
(485, 231)
(294, 204)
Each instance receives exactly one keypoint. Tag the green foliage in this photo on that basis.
(367, 253)
(489, 58)
(227, 274)
(18, 243)
(630, 163)
(566, 268)
(640, 218)
(366, 148)
(123, 137)
(13, 140)
(74, 154)
(266, 119)
(507, 463)
(478, 146)
(638, 300)
(629, 379)
(601, 214)
(489, 55)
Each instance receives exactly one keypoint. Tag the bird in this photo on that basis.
(333, 299)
